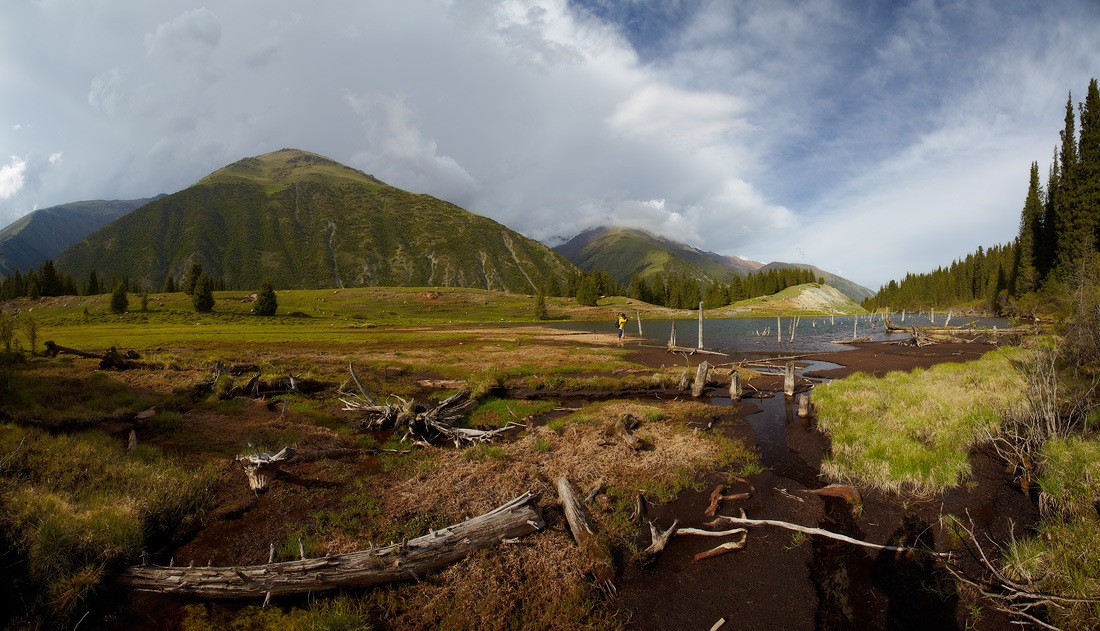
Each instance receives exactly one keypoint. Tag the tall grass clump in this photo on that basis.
(75, 505)
(912, 431)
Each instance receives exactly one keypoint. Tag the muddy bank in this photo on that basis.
(789, 581)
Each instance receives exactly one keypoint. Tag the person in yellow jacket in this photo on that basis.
(622, 326)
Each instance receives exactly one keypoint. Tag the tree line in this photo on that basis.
(1056, 247)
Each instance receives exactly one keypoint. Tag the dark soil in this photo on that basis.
(779, 581)
(783, 581)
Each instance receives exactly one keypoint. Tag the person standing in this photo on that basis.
(622, 326)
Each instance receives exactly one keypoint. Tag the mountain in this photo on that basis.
(809, 298)
(306, 221)
(854, 291)
(624, 252)
(45, 233)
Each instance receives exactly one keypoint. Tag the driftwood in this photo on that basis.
(584, 533)
(717, 496)
(110, 359)
(409, 559)
(262, 467)
(742, 521)
(845, 492)
(660, 539)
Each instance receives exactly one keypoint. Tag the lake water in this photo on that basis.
(763, 335)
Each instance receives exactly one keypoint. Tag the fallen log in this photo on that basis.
(717, 496)
(584, 533)
(409, 559)
(622, 429)
(110, 359)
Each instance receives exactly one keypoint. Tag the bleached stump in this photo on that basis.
(700, 325)
(788, 379)
(735, 386)
(262, 467)
(701, 374)
(803, 405)
(584, 533)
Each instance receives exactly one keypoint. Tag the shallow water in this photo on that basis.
(816, 334)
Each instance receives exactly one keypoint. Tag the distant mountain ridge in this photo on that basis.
(45, 233)
(624, 252)
(307, 221)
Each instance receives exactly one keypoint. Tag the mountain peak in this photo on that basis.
(281, 168)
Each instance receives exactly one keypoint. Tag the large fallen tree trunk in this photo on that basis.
(110, 359)
(409, 559)
(584, 533)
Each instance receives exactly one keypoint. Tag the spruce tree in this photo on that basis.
(1027, 277)
(1089, 156)
(540, 306)
(192, 279)
(1075, 232)
(203, 296)
(266, 302)
(119, 301)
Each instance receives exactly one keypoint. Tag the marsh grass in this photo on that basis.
(1069, 481)
(913, 431)
(1061, 559)
(80, 503)
(493, 412)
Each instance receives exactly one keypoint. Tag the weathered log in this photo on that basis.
(409, 559)
(584, 533)
(110, 359)
(788, 379)
(803, 405)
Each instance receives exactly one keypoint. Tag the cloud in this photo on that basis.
(844, 131)
(12, 177)
(190, 36)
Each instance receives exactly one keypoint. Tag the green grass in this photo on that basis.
(493, 413)
(77, 504)
(913, 431)
(1070, 475)
(1061, 559)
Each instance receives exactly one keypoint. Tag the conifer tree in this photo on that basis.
(1089, 156)
(119, 301)
(266, 302)
(1027, 277)
(203, 295)
(192, 279)
(1076, 237)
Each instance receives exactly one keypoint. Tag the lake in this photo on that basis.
(811, 334)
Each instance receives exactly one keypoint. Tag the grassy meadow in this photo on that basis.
(78, 504)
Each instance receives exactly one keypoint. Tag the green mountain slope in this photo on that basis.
(623, 252)
(852, 290)
(805, 299)
(43, 234)
(309, 222)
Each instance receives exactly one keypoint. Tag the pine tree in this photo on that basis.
(540, 306)
(119, 301)
(203, 295)
(266, 302)
(1027, 276)
(192, 279)
(91, 288)
(1089, 157)
(1076, 238)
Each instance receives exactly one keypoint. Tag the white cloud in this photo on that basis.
(12, 177)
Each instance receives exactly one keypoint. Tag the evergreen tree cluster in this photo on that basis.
(680, 291)
(1058, 240)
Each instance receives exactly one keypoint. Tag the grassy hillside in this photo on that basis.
(624, 252)
(854, 291)
(307, 221)
(43, 234)
(807, 299)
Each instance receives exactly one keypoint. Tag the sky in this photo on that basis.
(869, 138)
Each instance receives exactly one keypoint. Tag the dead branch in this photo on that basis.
(719, 550)
(717, 496)
(622, 429)
(374, 566)
(1014, 598)
(742, 521)
(658, 542)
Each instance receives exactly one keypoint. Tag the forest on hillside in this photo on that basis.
(1055, 250)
